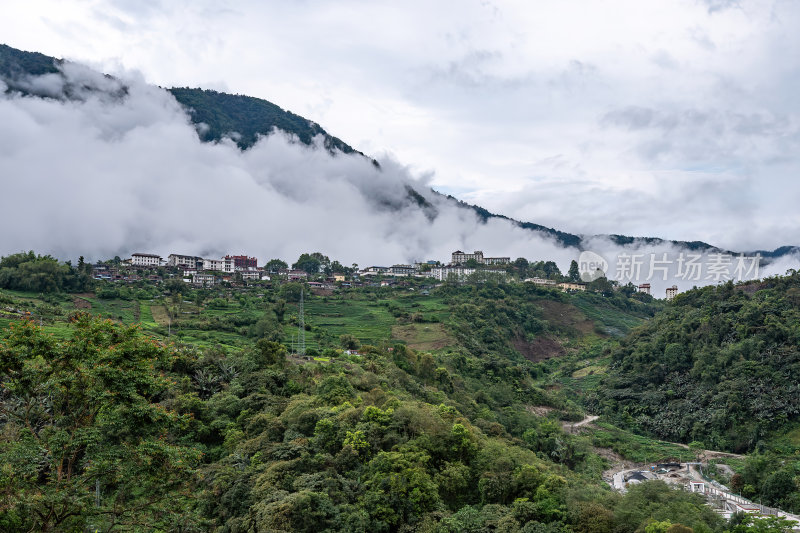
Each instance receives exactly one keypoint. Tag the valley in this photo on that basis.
(514, 369)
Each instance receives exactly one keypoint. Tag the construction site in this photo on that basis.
(690, 477)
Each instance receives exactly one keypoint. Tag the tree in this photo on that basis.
(521, 264)
(308, 263)
(763, 524)
(551, 269)
(573, 273)
(86, 439)
(270, 352)
(349, 342)
(274, 265)
(290, 292)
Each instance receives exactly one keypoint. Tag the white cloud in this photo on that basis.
(106, 175)
(524, 107)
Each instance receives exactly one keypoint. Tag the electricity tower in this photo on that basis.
(301, 328)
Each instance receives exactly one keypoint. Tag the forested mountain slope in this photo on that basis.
(448, 429)
(719, 365)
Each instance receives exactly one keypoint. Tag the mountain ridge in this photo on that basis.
(244, 118)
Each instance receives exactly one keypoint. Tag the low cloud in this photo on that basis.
(118, 168)
(106, 167)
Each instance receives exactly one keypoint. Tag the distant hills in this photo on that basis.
(244, 118)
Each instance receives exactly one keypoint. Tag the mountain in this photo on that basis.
(244, 118)
(719, 366)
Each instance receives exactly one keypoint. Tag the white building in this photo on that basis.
(671, 292)
(645, 288)
(146, 260)
(214, 264)
(459, 258)
(204, 280)
(496, 260)
(375, 270)
(451, 272)
(403, 270)
(183, 261)
(253, 275)
(541, 281)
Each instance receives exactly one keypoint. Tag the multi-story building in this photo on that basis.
(184, 261)
(214, 264)
(146, 260)
(375, 270)
(460, 258)
(242, 262)
(294, 275)
(403, 270)
(204, 280)
(572, 286)
(451, 272)
(541, 281)
(645, 288)
(672, 292)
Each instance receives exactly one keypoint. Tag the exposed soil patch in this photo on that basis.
(322, 292)
(539, 349)
(751, 288)
(80, 303)
(423, 336)
(159, 313)
(539, 410)
(616, 462)
(566, 317)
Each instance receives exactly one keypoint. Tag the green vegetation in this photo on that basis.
(456, 415)
(42, 273)
(16, 63)
(89, 413)
(227, 114)
(719, 366)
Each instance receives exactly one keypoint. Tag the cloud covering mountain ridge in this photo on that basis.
(102, 166)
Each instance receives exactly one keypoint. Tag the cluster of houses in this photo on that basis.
(208, 272)
(202, 271)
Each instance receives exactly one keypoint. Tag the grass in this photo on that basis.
(425, 336)
(787, 442)
(591, 370)
(368, 321)
(611, 320)
(638, 448)
(159, 313)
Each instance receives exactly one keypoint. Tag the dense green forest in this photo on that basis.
(248, 118)
(94, 426)
(720, 367)
(43, 273)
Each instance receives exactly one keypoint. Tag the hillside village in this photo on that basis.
(319, 273)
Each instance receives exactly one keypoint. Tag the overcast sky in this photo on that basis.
(673, 118)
